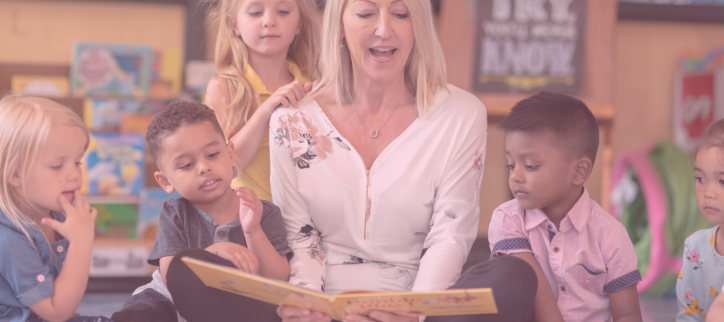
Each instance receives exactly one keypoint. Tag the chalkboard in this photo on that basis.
(526, 46)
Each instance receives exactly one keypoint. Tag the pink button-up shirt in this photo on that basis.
(588, 258)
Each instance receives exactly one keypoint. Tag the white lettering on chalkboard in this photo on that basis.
(534, 57)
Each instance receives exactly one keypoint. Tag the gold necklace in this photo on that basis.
(373, 132)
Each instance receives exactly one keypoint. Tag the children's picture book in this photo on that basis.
(449, 302)
(114, 164)
(117, 217)
(149, 210)
(34, 85)
(166, 71)
(136, 123)
(110, 115)
(198, 74)
(110, 70)
(119, 261)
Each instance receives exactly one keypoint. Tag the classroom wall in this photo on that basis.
(43, 32)
(646, 60)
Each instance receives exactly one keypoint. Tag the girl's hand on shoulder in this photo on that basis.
(297, 314)
(288, 95)
(380, 316)
(80, 219)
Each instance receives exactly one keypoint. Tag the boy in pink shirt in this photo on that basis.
(582, 256)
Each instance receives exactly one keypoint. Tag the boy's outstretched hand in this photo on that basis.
(240, 256)
(250, 210)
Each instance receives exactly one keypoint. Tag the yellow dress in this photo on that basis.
(257, 173)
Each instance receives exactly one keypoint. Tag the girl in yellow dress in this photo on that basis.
(265, 53)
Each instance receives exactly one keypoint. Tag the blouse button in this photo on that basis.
(550, 227)
(563, 288)
(60, 248)
(221, 233)
(556, 249)
(41, 278)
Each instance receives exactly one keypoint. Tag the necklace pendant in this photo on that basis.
(374, 133)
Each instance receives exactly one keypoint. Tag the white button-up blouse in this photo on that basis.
(407, 223)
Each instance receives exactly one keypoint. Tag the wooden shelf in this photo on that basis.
(498, 107)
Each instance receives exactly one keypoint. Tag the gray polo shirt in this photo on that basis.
(182, 226)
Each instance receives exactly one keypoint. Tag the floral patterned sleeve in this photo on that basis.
(307, 264)
(688, 304)
(456, 212)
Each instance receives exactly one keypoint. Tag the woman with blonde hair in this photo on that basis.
(265, 54)
(378, 171)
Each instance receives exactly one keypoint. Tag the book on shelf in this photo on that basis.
(114, 164)
(114, 70)
(149, 210)
(116, 219)
(448, 302)
(166, 71)
(114, 115)
(37, 85)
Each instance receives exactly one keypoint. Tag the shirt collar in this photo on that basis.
(207, 217)
(533, 218)
(581, 211)
(259, 86)
(578, 215)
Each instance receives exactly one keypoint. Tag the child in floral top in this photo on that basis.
(702, 272)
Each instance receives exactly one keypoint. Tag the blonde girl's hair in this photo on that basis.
(713, 137)
(24, 126)
(231, 56)
(425, 72)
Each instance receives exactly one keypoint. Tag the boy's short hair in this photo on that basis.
(713, 137)
(173, 117)
(568, 118)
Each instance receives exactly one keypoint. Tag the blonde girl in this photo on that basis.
(262, 47)
(46, 226)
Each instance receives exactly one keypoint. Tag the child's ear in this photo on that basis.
(15, 180)
(230, 148)
(163, 182)
(582, 170)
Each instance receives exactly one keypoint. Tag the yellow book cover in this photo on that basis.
(47, 86)
(449, 302)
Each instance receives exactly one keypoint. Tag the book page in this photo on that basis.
(263, 289)
(450, 302)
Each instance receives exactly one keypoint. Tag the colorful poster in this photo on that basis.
(699, 102)
(526, 46)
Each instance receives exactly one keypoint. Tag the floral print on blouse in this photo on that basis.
(701, 275)
(407, 223)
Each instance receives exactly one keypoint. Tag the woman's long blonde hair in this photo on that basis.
(231, 57)
(425, 72)
(24, 126)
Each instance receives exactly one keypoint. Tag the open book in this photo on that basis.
(450, 302)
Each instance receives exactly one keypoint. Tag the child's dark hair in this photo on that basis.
(173, 117)
(713, 137)
(569, 119)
